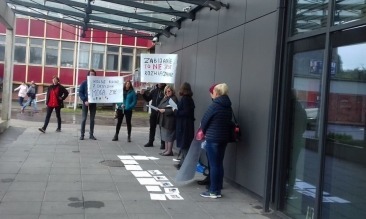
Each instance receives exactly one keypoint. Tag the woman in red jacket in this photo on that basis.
(56, 94)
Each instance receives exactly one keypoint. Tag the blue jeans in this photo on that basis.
(215, 155)
(32, 102)
(93, 109)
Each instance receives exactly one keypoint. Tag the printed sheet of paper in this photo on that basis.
(133, 167)
(125, 157)
(153, 158)
(141, 173)
(173, 104)
(153, 107)
(141, 158)
(148, 181)
(129, 162)
(165, 184)
(171, 190)
(155, 172)
(161, 178)
(157, 196)
(174, 197)
(153, 188)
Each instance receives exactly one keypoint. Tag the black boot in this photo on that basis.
(115, 138)
(149, 144)
(129, 138)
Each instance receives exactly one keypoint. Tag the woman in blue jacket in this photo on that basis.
(125, 108)
(216, 124)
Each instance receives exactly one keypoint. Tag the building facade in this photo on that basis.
(44, 48)
(296, 73)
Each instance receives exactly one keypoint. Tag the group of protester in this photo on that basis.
(27, 91)
(176, 123)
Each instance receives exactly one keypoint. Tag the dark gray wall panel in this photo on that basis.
(258, 8)
(205, 76)
(189, 31)
(188, 60)
(256, 93)
(208, 23)
(228, 70)
(171, 44)
(234, 16)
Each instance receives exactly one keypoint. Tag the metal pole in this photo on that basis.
(77, 72)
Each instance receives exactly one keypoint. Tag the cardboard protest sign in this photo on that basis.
(158, 68)
(105, 89)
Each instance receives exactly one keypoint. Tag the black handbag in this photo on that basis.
(234, 130)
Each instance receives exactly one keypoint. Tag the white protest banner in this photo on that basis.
(158, 68)
(105, 89)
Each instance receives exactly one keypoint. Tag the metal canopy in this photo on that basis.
(137, 18)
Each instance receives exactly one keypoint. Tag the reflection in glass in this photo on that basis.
(303, 162)
(349, 11)
(98, 57)
(84, 55)
(126, 63)
(309, 15)
(344, 179)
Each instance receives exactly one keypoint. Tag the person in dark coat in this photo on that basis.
(167, 120)
(91, 107)
(185, 121)
(56, 94)
(155, 96)
(216, 124)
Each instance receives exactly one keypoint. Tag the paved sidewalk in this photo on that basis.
(55, 175)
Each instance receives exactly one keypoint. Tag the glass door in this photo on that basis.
(302, 145)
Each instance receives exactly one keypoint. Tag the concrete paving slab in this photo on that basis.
(66, 178)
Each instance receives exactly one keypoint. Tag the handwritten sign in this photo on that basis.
(158, 68)
(105, 89)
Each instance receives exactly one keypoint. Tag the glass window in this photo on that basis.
(344, 181)
(67, 54)
(126, 63)
(127, 50)
(84, 55)
(20, 49)
(349, 11)
(309, 15)
(35, 51)
(112, 57)
(2, 48)
(98, 57)
(138, 57)
(51, 52)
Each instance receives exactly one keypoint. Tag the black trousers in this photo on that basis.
(48, 116)
(153, 123)
(120, 115)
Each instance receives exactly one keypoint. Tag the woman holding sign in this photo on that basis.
(125, 109)
(167, 120)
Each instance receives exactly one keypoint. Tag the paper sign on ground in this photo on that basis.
(153, 188)
(160, 178)
(129, 162)
(141, 173)
(153, 158)
(157, 196)
(141, 158)
(133, 167)
(171, 190)
(125, 157)
(174, 197)
(155, 172)
(148, 181)
(166, 184)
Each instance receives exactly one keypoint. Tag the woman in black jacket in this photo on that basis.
(56, 94)
(185, 121)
